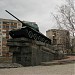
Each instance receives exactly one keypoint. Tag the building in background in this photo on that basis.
(73, 45)
(5, 26)
(60, 39)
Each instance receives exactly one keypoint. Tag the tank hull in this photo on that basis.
(29, 33)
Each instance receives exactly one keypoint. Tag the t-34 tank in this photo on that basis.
(28, 30)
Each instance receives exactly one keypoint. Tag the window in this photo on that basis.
(19, 24)
(67, 33)
(11, 23)
(0, 22)
(4, 42)
(4, 38)
(0, 34)
(0, 44)
(4, 26)
(4, 34)
(0, 26)
(54, 41)
(0, 30)
(3, 30)
(14, 26)
(7, 26)
(0, 53)
(15, 23)
(0, 38)
(6, 23)
(4, 48)
(54, 34)
(3, 45)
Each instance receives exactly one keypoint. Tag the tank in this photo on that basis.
(32, 25)
(29, 30)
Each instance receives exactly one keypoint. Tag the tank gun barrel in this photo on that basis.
(28, 31)
(16, 18)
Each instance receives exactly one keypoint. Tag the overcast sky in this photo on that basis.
(38, 11)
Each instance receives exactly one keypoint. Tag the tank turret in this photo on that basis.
(32, 25)
(29, 30)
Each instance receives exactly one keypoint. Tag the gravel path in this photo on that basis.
(67, 69)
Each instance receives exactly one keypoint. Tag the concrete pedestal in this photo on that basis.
(29, 52)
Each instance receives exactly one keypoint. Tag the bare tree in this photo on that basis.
(66, 17)
(57, 20)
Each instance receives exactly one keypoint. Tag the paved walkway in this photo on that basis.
(67, 69)
(69, 59)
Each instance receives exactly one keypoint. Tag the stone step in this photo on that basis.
(57, 62)
(10, 65)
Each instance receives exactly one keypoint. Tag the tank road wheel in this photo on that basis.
(39, 38)
(26, 31)
(43, 40)
(46, 41)
(49, 42)
(30, 34)
(35, 36)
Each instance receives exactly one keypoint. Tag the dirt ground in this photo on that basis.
(67, 69)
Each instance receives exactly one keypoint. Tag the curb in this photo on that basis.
(57, 63)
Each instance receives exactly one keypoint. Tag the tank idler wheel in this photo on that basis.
(39, 38)
(30, 34)
(35, 36)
